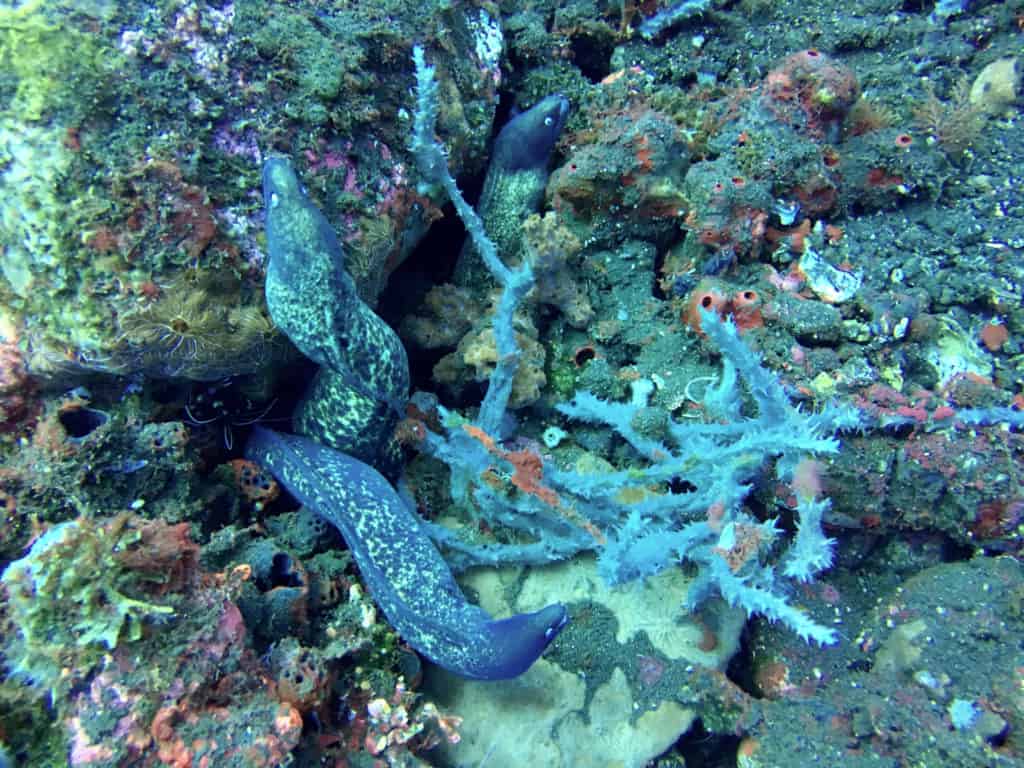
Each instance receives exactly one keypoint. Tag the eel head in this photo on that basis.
(522, 638)
(527, 140)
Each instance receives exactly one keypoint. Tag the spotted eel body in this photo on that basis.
(516, 178)
(359, 392)
(403, 569)
(346, 416)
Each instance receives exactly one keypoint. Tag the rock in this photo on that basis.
(997, 86)
(603, 695)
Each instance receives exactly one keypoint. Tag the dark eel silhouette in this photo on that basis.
(516, 178)
(347, 416)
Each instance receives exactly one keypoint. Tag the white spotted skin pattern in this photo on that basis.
(401, 566)
(363, 382)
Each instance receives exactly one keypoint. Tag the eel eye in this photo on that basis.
(274, 200)
(549, 121)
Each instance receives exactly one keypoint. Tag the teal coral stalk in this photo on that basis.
(515, 283)
(722, 456)
(432, 162)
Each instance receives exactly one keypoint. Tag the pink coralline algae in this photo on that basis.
(18, 405)
(650, 670)
(811, 91)
(243, 144)
(204, 704)
(627, 165)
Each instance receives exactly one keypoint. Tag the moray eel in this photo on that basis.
(404, 571)
(351, 408)
(516, 178)
(360, 391)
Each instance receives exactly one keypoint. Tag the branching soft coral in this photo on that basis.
(643, 527)
(544, 513)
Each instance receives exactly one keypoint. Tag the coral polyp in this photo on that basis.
(183, 326)
(198, 329)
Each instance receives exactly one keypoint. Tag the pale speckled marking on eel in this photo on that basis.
(403, 569)
(360, 391)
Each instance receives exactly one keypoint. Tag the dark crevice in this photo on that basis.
(592, 57)
(79, 422)
(431, 263)
(740, 669)
(701, 748)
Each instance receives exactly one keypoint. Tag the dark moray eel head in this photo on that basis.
(527, 139)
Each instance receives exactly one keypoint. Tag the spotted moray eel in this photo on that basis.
(346, 417)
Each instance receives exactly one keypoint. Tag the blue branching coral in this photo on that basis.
(555, 513)
(718, 457)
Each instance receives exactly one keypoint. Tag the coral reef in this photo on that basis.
(84, 587)
(443, 319)
(629, 164)
(118, 189)
(744, 369)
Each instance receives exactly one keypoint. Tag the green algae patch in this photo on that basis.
(43, 261)
(76, 595)
(52, 77)
(44, 63)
